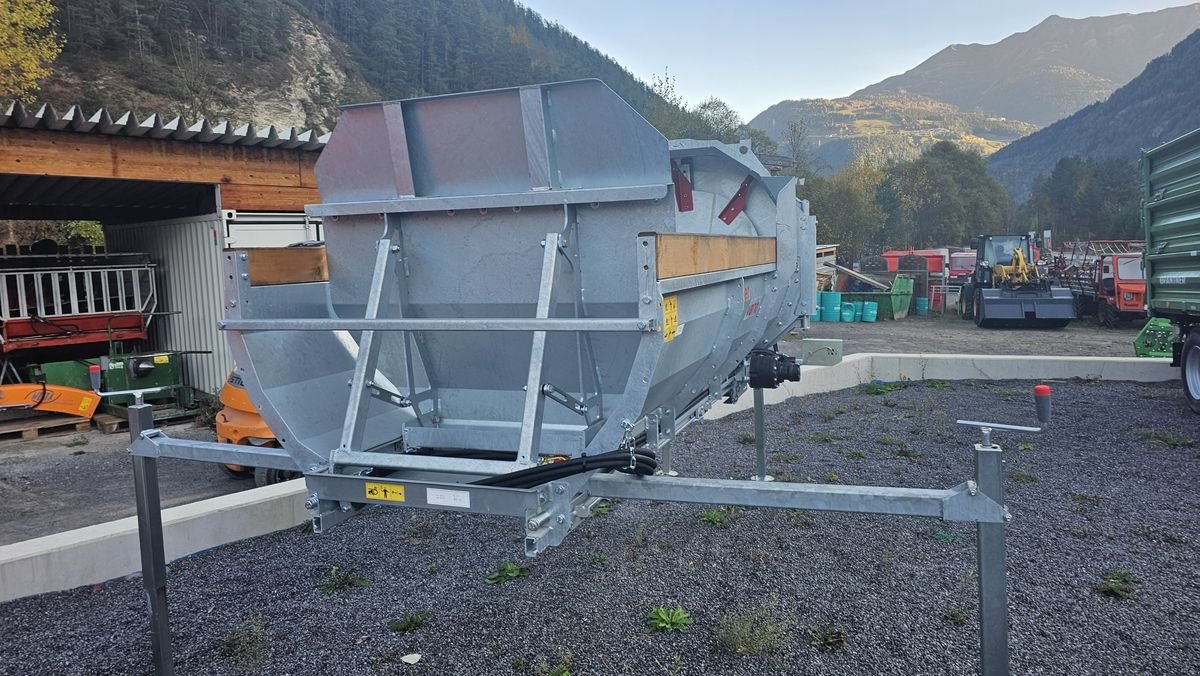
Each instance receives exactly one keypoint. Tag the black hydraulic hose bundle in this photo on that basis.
(644, 464)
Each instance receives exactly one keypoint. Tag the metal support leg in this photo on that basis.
(150, 540)
(535, 401)
(993, 594)
(760, 437)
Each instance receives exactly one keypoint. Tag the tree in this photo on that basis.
(28, 45)
(942, 198)
(1085, 199)
(845, 207)
(726, 124)
(795, 146)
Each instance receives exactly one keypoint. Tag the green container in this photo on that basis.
(870, 311)
(831, 306)
(847, 312)
(892, 304)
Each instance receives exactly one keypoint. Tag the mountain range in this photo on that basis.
(1160, 104)
(985, 96)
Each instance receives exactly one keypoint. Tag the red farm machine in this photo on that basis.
(1106, 278)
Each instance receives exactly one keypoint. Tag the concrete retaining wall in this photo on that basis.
(110, 550)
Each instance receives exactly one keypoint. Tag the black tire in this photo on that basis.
(265, 476)
(977, 309)
(966, 302)
(1107, 315)
(239, 473)
(1189, 370)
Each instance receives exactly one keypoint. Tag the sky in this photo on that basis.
(755, 53)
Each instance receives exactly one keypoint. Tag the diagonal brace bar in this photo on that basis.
(535, 401)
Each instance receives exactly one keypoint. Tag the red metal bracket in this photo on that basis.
(683, 189)
(737, 203)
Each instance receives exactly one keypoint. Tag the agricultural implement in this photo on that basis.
(1106, 278)
(530, 293)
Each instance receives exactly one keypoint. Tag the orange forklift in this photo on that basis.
(238, 422)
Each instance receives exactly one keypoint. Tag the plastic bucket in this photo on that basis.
(870, 311)
(831, 306)
(847, 312)
(922, 306)
(858, 304)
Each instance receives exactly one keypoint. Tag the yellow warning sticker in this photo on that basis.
(161, 359)
(670, 318)
(386, 492)
(84, 404)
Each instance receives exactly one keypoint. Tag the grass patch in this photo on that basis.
(881, 388)
(1025, 446)
(826, 636)
(855, 455)
(956, 616)
(823, 437)
(943, 536)
(247, 644)
(1009, 393)
(602, 508)
(668, 619)
(939, 384)
(799, 518)
(745, 438)
(829, 414)
(340, 579)
(410, 622)
(721, 516)
(507, 572)
(1023, 477)
(754, 631)
(831, 477)
(786, 457)
(1166, 438)
(1118, 584)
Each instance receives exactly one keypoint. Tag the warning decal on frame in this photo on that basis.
(670, 318)
(385, 492)
(162, 359)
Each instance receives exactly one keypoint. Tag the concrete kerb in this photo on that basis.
(108, 551)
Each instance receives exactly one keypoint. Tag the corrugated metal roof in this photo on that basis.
(16, 115)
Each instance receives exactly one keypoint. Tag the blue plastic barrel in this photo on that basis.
(816, 315)
(847, 312)
(831, 306)
(922, 306)
(870, 311)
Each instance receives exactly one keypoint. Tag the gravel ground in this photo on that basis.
(59, 483)
(951, 335)
(1093, 494)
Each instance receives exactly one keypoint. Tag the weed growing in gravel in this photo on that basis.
(800, 518)
(829, 414)
(745, 438)
(889, 440)
(246, 645)
(891, 403)
(823, 437)
(639, 538)
(721, 516)
(1009, 393)
(826, 636)
(431, 569)
(668, 619)
(1023, 477)
(602, 508)
(956, 616)
(600, 559)
(1166, 438)
(306, 528)
(1118, 584)
(754, 631)
(938, 384)
(410, 622)
(942, 536)
(77, 440)
(831, 477)
(855, 455)
(1025, 446)
(1083, 502)
(786, 457)
(507, 572)
(881, 388)
(339, 580)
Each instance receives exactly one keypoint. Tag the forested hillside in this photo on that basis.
(294, 61)
(1156, 106)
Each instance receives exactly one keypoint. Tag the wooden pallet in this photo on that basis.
(111, 424)
(32, 428)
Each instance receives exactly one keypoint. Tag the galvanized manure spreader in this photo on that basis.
(531, 292)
